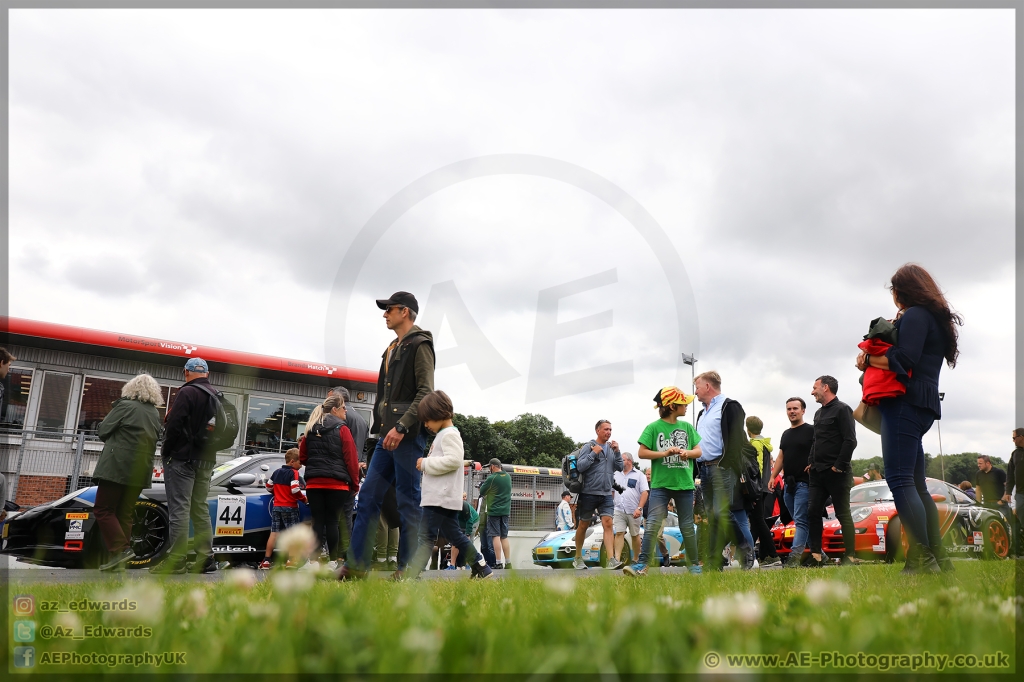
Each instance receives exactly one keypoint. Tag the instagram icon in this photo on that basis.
(24, 605)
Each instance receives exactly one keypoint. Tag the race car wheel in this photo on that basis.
(896, 541)
(150, 534)
(997, 540)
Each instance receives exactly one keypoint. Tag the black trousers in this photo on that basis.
(759, 528)
(331, 511)
(822, 485)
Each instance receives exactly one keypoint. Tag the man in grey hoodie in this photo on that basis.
(598, 461)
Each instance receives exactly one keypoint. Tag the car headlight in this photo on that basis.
(860, 513)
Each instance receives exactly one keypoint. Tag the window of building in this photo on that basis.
(98, 396)
(16, 389)
(263, 423)
(172, 393)
(53, 402)
(296, 416)
(238, 401)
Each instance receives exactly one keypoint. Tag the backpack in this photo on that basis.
(572, 477)
(750, 473)
(222, 426)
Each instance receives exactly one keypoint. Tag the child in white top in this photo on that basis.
(442, 484)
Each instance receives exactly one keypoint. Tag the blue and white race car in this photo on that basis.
(63, 533)
(558, 548)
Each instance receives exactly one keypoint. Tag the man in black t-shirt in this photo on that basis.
(990, 483)
(794, 450)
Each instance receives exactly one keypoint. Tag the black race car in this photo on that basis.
(63, 533)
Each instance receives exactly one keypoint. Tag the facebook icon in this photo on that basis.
(24, 656)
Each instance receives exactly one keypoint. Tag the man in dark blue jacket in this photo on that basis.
(188, 466)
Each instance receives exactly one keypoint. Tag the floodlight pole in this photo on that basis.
(691, 360)
(938, 425)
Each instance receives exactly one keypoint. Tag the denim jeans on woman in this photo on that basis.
(903, 426)
(656, 519)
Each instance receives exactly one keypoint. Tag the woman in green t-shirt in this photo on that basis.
(670, 445)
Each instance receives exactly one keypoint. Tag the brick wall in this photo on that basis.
(33, 490)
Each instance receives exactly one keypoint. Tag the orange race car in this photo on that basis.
(968, 529)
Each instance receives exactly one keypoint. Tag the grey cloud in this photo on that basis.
(812, 154)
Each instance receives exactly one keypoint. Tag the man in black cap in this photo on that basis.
(406, 375)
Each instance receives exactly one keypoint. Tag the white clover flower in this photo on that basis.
(264, 610)
(241, 578)
(560, 585)
(69, 621)
(1009, 608)
(193, 604)
(298, 542)
(741, 608)
(669, 602)
(136, 602)
(426, 641)
(905, 610)
(292, 582)
(827, 592)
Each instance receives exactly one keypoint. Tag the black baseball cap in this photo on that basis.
(402, 298)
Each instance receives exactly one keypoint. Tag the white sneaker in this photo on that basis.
(579, 564)
(756, 564)
(310, 566)
(332, 566)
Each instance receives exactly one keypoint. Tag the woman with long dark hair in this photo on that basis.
(928, 335)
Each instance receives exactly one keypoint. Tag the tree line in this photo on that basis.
(958, 467)
(529, 439)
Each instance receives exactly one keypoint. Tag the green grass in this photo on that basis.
(606, 623)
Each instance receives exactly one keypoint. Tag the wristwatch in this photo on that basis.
(400, 427)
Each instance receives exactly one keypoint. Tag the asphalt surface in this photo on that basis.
(66, 576)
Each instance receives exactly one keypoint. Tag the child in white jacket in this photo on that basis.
(441, 486)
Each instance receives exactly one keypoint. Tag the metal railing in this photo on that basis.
(535, 498)
(52, 462)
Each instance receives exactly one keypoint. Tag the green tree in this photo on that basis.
(537, 441)
(860, 466)
(482, 441)
(959, 467)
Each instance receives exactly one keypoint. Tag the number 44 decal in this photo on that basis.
(230, 515)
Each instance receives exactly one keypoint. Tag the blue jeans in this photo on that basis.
(656, 518)
(795, 496)
(743, 521)
(903, 426)
(387, 468)
(486, 546)
(719, 486)
(444, 522)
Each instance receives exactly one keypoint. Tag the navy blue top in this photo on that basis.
(921, 347)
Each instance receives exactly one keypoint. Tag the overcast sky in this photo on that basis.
(201, 175)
